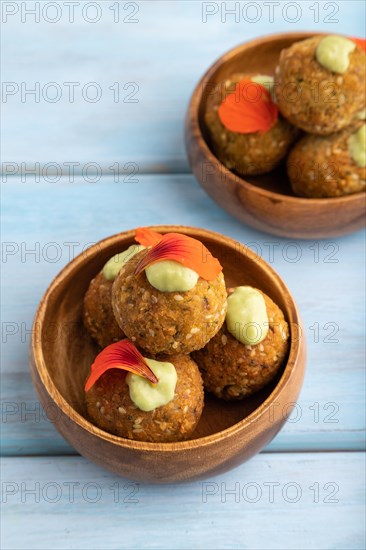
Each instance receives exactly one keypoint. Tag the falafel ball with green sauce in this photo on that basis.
(98, 316)
(329, 166)
(170, 298)
(320, 83)
(132, 396)
(246, 132)
(248, 351)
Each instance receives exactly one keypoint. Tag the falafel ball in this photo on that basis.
(110, 407)
(98, 316)
(98, 313)
(312, 96)
(167, 322)
(249, 153)
(323, 166)
(232, 370)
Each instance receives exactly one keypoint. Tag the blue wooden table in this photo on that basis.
(97, 148)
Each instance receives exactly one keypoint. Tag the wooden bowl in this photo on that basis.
(228, 433)
(264, 202)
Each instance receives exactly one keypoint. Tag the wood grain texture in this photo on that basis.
(264, 202)
(329, 489)
(329, 412)
(164, 54)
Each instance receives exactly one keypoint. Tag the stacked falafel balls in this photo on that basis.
(311, 113)
(178, 333)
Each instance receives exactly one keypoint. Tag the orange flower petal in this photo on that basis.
(361, 42)
(248, 109)
(121, 355)
(184, 250)
(147, 237)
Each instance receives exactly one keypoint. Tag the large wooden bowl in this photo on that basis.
(227, 434)
(265, 202)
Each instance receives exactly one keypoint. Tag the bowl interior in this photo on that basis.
(258, 57)
(68, 351)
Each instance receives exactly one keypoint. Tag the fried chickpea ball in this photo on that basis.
(110, 407)
(251, 153)
(232, 370)
(322, 166)
(167, 322)
(312, 96)
(98, 316)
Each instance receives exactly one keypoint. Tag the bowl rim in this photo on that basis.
(68, 410)
(193, 118)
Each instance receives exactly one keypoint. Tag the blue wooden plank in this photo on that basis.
(327, 282)
(156, 61)
(280, 501)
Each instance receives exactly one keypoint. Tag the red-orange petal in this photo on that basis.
(248, 109)
(121, 355)
(147, 237)
(184, 250)
(361, 42)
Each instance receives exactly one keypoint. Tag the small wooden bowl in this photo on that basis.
(228, 433)
(264, 202)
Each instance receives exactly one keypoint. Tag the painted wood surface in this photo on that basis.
(157, 60)
(149, 61)
(302, 501)
(58, 221)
